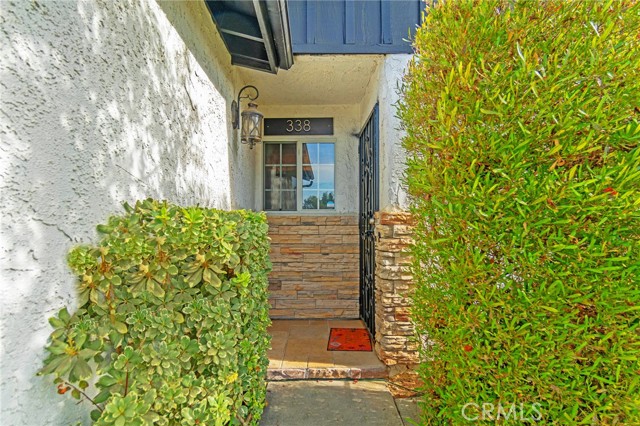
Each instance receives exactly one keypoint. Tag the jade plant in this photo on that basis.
(171, 325)
(523, 135)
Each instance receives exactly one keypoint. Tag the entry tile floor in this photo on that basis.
(299, 351)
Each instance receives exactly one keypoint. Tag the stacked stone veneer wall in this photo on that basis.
(315, 266)
(396, 344)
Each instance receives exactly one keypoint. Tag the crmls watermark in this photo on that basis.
(501, 411)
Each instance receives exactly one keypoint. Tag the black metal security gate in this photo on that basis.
(369, 204)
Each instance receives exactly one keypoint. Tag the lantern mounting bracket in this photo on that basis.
(235, 105)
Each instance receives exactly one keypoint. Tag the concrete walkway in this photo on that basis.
(334, 402)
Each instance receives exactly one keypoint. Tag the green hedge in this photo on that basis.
(523, 133)
(172, 319)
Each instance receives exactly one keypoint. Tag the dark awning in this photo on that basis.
(256, 32)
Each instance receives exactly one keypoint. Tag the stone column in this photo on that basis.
(396, 344)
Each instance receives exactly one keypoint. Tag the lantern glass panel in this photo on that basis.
(251, 125)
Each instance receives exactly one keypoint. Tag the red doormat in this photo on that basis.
(349, 339)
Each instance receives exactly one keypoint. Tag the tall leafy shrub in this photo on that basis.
(172, 319)
(523, 133)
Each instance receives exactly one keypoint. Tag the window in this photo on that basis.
(318, 183)
(280, 176)
(299, 176)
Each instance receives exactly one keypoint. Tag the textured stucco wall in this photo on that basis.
(383, 79)
(193, 23)
(100, 102)
(393, 195)
(346, 125)
(384, 89)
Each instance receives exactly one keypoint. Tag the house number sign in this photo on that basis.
(298, 126)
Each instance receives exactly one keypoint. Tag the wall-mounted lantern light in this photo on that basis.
(251, 132)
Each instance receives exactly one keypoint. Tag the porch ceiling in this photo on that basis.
(316, 80)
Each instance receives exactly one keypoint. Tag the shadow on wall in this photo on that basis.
(101, 102)
(199, 34)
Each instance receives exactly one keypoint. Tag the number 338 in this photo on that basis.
(298, 126)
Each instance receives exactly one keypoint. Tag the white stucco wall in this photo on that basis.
(346, 125)
(192, 21)
(382, 77)
(100, 102)
(384, 89)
